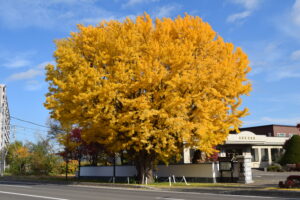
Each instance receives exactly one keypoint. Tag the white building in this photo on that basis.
(4, 127)
(264, 150)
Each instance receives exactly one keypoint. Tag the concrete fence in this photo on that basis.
(203, 172)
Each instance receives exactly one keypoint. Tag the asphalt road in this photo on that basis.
(22, 191)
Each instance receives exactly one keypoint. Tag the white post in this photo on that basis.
(146, 180)
(170, 181)
(269, 156)
(184, 180)
(128, 180)
(174, 179)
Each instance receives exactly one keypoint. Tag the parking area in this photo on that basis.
(269, 179)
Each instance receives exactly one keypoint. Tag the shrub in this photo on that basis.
(292, 151)
(275, 168)
(72, 167)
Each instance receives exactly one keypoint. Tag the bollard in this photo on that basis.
(170, 181)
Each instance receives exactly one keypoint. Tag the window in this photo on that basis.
(275, 154)
(254, 153)
(264, 155)
(281, 134)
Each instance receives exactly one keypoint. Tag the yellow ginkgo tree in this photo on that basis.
(149, 87)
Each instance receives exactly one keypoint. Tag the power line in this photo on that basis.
(44, 131)
(36, 124)
(22, 120)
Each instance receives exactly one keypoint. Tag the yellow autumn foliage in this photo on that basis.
(149, 85)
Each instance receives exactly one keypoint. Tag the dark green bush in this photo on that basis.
(292, 151)
(275, 168)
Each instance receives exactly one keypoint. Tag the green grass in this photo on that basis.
(286, 189)
(38, 178)
(72, 178)
(181, 184)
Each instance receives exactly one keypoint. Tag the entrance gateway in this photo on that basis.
(264, 150)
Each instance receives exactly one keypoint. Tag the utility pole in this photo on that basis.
(114, 169)
(4, 127)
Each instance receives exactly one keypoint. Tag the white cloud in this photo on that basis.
(271, 59)
(289, 22)
(16, 63)
(165, 11)
(283, 73)
(15, 59)
(248, 5)
(296, 13)
(135, 2)
(238, 16)
(33, 85)
(295, 55)
(59, 14)
(29, 74)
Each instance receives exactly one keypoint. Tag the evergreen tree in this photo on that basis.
(292, 151)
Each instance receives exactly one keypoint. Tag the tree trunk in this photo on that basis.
(67, 168)
(79, 166)
(144, 163)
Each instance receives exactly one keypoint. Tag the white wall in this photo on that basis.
(108, 171)
(187, 170)
(203, 170)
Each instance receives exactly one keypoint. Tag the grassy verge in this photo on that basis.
(38, 178)
(166, 184)
(72, 178)
(284, 189)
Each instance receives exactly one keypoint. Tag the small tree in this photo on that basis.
(18, 158)
(79, 148)
(43, 160)
(292, 151)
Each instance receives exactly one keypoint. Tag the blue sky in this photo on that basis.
(267, 30)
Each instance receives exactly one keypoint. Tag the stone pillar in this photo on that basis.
(245, 170)
(186, 156)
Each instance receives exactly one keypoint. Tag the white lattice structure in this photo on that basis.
(4, 127)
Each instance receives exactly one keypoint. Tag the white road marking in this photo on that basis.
(30, 195)
(165, 198)
(21, 186)
(177, 192)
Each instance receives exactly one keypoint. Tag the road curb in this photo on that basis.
(241, 191)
